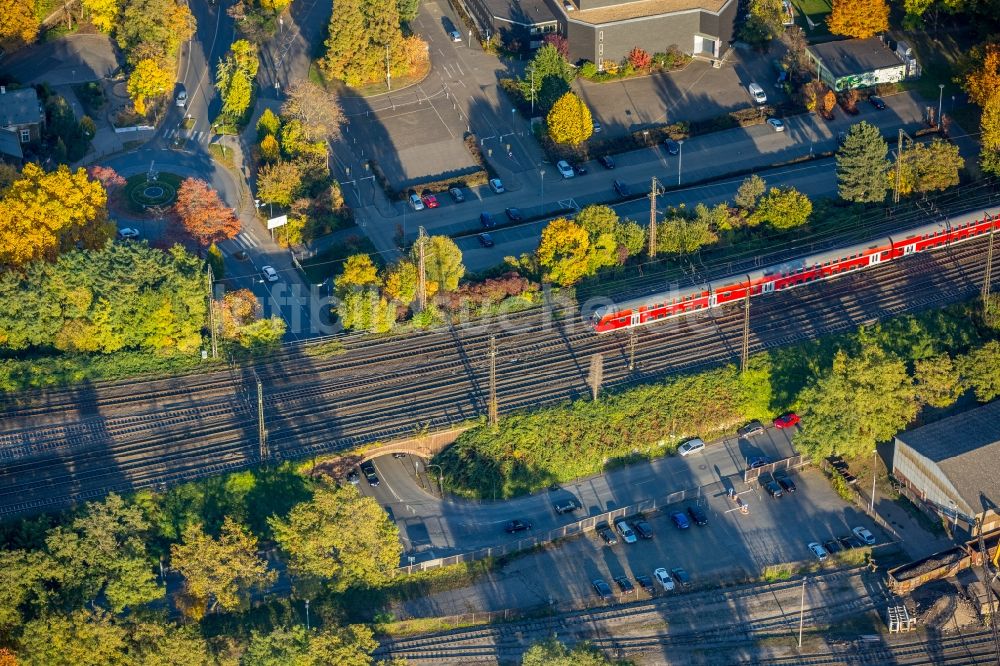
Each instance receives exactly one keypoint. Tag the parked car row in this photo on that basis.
(666, 580)
(861, 537)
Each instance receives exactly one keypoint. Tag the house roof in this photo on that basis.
(966, 448)
(19, 107)
(855, 56)
(644, 8)
(522, 12)
(10, 144)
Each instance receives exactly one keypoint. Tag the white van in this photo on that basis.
(757, 93)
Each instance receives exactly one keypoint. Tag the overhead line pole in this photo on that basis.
(421, 270)
(988, 274)
(745, 348)
(653, 192)
(492, 407)
(211, 311)
(261, 429)
(633, 333)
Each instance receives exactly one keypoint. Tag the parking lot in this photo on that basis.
(731, 547)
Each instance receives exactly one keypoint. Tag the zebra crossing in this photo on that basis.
(196, 136)
(245, 240)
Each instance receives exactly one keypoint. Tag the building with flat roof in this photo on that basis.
(856, 63)
(952, 467)
(521, 24)
(599, 30)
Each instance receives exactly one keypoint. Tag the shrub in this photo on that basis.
(639, 59)
(588, 70)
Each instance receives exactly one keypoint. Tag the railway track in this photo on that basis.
(70, 444)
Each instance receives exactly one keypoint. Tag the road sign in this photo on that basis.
(276, 222)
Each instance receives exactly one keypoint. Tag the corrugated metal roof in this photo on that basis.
(966, 447)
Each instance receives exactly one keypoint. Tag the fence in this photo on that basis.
(573, 529)
(750, 475)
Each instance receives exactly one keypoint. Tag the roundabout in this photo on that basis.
(151, 190)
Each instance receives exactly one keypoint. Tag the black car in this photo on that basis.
(833, 546)
(398, 454)
(877, 102)
(759, 461)
(606, 162)
(487, 221)
(698, 515)
(580, 169)
(353, 477)
(771, 486)
(456, 195)
(607, 534)
(513, 526)
(642, 528)
(485, 239)
(672, 147)
(514, 214)
(566, 506)
(751, 429)
(625, 585)
(681, 576)
(646, 583)
(850, 542)
(603, 589)
(622, 189)
(785, 481)
(368, 469)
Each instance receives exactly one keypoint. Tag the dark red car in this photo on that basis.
(786, 420)
(430, 201)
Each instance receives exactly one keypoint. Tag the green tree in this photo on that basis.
(601, 223)
(345, 41)
(929, 167)
(279, 183)
(263, 334)
(84, 638)
(570, 121)
(938, 381)
(862, 165)
(268, 125)
(564, 252)
(782, 208)
(554, 653)
(339, 537)
(153, 29)
(863, 399)
(156, 644)
(980, 371)
(442, 262)
(751, 190)
(407, 9)
(234, 78)
(219, 573)
(25, 579)
(364, 309)
(103, 554)
(680, 234)
(547, 77)
(764, 22)
(345, 646)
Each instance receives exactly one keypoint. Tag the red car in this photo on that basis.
(430, 200)
(786, 420)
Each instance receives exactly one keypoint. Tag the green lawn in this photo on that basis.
(940, 61)
(816, 11)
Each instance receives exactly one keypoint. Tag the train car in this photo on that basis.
(792, 273)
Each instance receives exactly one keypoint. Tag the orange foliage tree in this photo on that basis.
(858, 18)
(639, 58)
(203, 215)
(983, 86)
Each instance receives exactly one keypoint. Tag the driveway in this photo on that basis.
(698, 92)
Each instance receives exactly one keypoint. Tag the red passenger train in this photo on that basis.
(794, 272)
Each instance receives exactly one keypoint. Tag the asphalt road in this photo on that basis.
(437, 528)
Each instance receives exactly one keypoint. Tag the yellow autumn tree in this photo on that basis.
(858, 18)
(148, 79)
(983, 86)
(564, 252)
(43, 214)
(359, 271)
(102, 13)
(18, 23)
(569, 120)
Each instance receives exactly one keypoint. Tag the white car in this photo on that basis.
(864, 535)
(127, 233)
(757, 93)
(270, 274)
(628, 536)
(662, 577)
(693, 445)
(182, 98)
(569, 6)
(776, 124)
(565, 170)
(416, 203)
(819, 551)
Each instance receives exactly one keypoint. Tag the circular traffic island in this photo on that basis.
(142, 193)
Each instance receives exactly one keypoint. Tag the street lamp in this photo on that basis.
(307, 615)
(440, 477)
(940, 99)
(541, 175)
(680, 159)
(874, 474)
